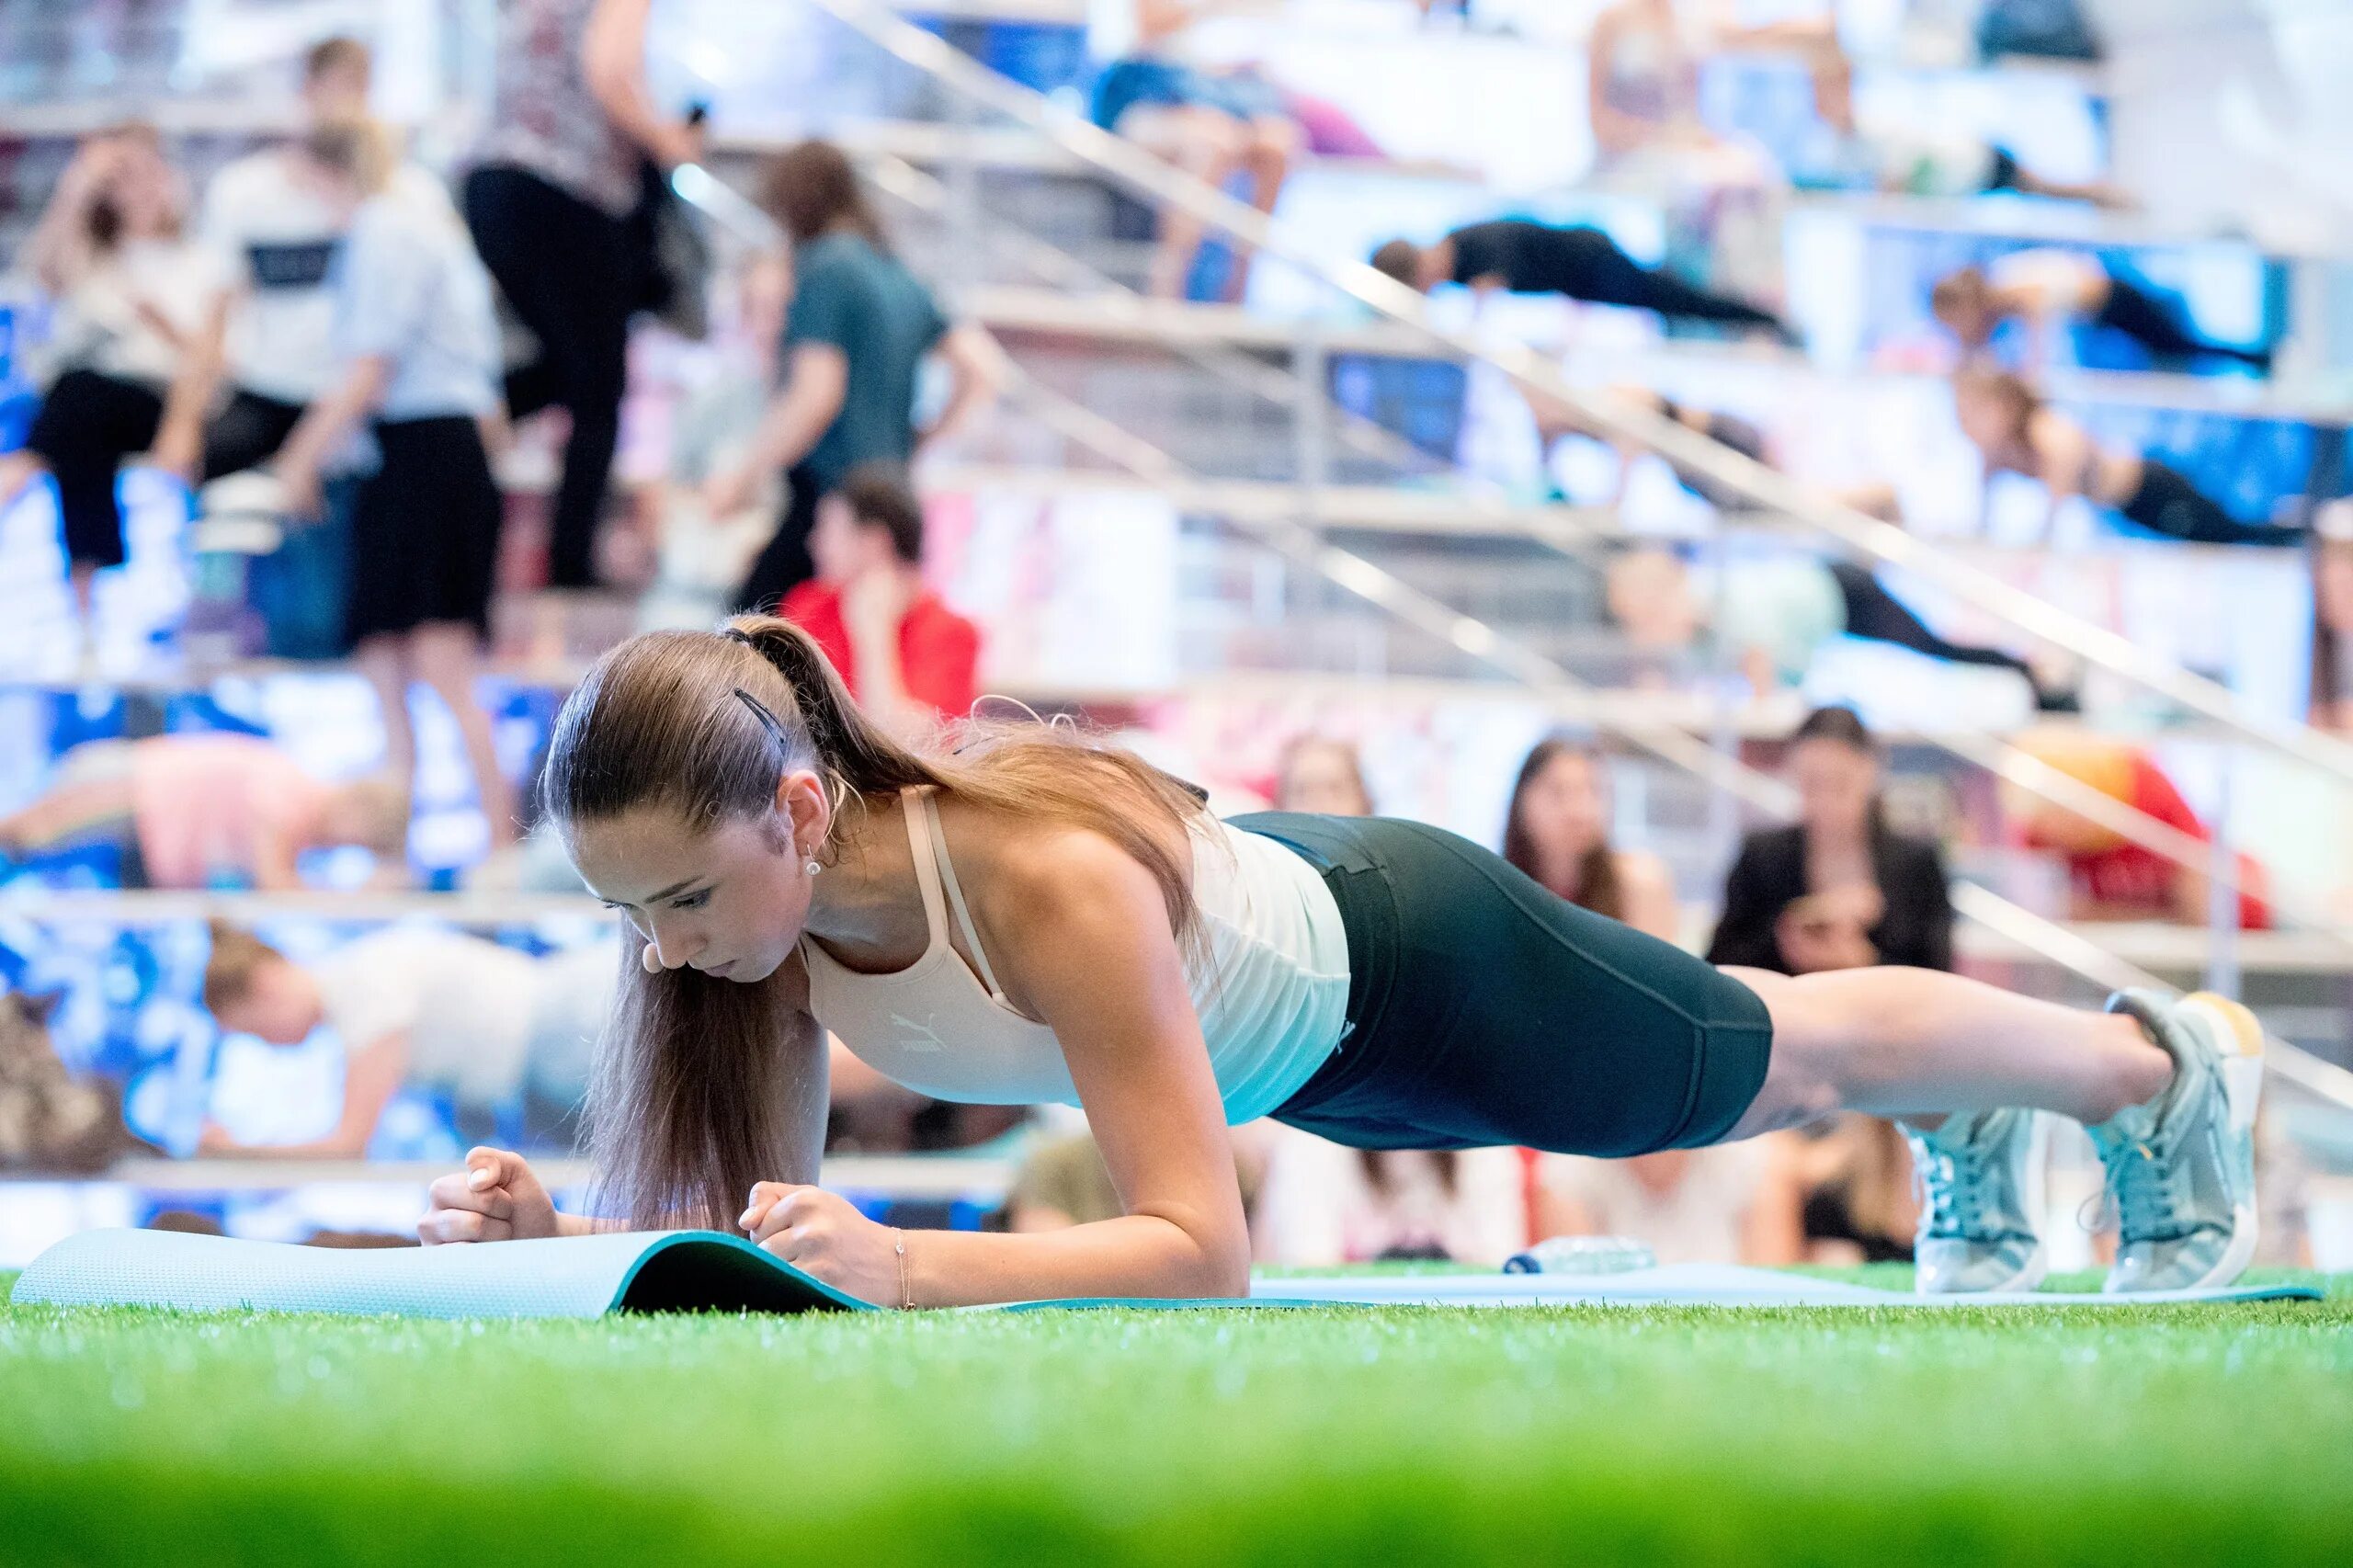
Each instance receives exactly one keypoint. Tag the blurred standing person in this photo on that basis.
(415, 329)
(1323, 775)
(272, 218)
(137, 303)
(275, 219)
(1837, 889)
(555, 182)
(858, 330)
(1557, 831)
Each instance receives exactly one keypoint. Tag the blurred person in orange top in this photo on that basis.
(908, 659)
(2109, 876)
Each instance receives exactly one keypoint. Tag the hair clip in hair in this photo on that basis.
(760, 711)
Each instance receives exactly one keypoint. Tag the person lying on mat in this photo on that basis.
(484, 1024)
(2045, 291)
(197, 809)
(2015, 432)
(1578, 262)
(1772, 614)
(1036, 917)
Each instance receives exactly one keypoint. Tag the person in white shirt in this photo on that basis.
(136, 300)
(417, 339)
(277, 224)
(482, 1023)
(1324, 1204)
(1731, 1203)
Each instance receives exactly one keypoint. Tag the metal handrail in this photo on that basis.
(1567, 533)
(1525, 368)
(2066, 948)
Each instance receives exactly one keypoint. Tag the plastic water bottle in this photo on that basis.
(1581, 1255)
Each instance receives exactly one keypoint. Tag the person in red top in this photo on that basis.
(2109, 877)
(909, 660)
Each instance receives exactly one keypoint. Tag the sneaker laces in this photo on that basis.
(2146, 1190)
(1949, 1185)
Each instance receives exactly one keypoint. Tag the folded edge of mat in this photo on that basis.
(575, 1277)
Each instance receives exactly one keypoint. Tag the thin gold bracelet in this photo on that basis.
(906, 1279)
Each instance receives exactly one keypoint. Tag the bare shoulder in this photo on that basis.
(1052, 874)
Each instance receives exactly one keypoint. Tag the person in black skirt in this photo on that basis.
(136, 301)
(416, 331)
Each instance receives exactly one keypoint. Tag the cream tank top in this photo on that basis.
(1270, 987)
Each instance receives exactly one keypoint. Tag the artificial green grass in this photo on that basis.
(2074, 1436)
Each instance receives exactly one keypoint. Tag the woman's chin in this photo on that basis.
(743, 972)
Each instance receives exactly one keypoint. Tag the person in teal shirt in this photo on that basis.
(860, 326)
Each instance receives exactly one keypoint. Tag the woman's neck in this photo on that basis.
(1833, 854)
(868, 902)
(1564, 869)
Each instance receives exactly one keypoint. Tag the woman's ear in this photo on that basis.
(804, 810)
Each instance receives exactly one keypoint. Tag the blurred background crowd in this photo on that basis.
(1827, 481)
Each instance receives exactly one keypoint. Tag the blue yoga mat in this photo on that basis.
(644, 1271)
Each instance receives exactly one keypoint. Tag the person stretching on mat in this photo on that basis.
(2015, 432)
(1582, 263)
(1772, 614)
(1036, 917)
(2044, 290)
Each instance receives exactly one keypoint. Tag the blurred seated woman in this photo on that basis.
(1210, 125)
(489, 1026)
(1731, 1203)
(1853, 1181)
(1323, 775)
(1837, 889)
(199, 811)
(1557, 831)
(2108, 876)
(2015, 432)
(1324, 1204)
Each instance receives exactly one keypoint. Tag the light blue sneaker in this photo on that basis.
(1978, 1207)
(2181, 1168)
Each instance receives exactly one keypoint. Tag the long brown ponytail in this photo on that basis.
(687, 1103)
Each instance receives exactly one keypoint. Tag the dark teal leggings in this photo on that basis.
(1484, 1010)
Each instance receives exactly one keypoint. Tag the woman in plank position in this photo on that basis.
(1035, 918)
